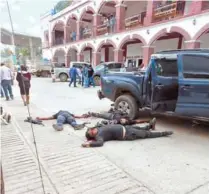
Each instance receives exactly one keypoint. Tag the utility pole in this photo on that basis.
(13, 36)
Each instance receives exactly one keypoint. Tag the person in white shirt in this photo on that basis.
(6, 81)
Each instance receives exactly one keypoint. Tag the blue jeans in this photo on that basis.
(2, 92)
(7, 87)
(73, 80)
(86, 82)
(62, 119)
(91, 81)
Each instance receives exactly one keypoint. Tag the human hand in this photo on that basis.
(86, 144)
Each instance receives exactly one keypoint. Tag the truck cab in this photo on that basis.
(175, 82)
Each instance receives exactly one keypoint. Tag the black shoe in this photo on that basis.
(9, 118)
(57, 128)
(167, 133)
(153, 123)
(12, 97)
(7, 99)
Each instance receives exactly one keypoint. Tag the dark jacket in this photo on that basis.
(23, 79)
(107, 133)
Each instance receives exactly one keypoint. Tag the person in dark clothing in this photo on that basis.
(90, 76)
(64, 117)
(73, 73)
(96, 136)
(23, 78)
(127, 121)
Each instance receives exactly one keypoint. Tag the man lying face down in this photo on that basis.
(117, 117)
(65, 117)
(96, 136)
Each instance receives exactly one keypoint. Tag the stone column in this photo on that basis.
(80, 57)
(78, 24)
(96, 23)
(192, 44)
(195, 7)
(67, 60)
(149, 13)
(66, 34)
(120, 17)
(96, 58)
(53, 38)
(118, 55)
(147, 52)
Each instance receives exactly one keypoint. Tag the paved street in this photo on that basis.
(170, 165)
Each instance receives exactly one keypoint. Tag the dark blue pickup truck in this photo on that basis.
(175, 82)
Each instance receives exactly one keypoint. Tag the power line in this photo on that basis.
(34, 139)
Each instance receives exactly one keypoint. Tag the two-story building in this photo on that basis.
(117, 30)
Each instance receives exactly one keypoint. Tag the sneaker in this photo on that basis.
(153, 123)
(79, 127)
(167, 133)
(57, 128)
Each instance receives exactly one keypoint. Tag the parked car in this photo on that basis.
(63, 73)
(99, 70)
(175, 82)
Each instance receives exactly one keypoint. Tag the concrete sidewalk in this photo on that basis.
(67, 167)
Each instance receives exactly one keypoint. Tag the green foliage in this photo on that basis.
(23, 51)
(62, 5)
(6, 52)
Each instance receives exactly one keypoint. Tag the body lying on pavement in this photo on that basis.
(116, 117)
(96, 136)
(65, 117)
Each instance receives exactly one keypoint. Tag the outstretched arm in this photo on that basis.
(45, 118)
(84, 116)
(98, 143)
(138, 121)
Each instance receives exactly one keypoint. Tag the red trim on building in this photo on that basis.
(105, 42)
(106, 54)
(203, 30)
(181, 31)
(84, 46)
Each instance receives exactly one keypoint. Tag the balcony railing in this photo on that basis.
(102, 29)
(134, 21)
(87, 34)
(168, 11)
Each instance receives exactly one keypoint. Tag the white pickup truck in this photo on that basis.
(62, 73)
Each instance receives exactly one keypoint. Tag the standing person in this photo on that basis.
(96, 136)
(73, 74)
(23, 78)
(90, 76)
(79, 75)
(85, 74)
(6, 81)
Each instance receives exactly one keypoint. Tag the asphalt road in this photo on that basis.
(170, 165)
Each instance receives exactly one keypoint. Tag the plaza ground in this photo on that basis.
(170, 165)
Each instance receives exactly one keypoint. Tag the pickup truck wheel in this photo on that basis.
(97, 80)
(63, 77)
(127, 104)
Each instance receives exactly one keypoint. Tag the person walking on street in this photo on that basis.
(23, 78)
(73, 73)
(90, 76)
(79, 75)
(6, 81)
(96, 136)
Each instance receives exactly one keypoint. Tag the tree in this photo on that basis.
(6, 52)
(62, 5)
(23, 52)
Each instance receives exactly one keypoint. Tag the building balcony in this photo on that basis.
(168, 11)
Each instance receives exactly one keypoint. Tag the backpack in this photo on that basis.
(26, 81)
